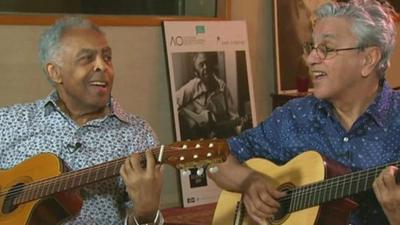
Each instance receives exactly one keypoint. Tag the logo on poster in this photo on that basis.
(176, 41)
(200, 29)
(185, 40)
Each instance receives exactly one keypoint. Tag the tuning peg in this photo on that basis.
(200, 171)
(185, 172)
(213, 169)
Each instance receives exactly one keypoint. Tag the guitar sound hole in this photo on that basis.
(284, 209)
(12, 194)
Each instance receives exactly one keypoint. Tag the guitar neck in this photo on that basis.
(331, 189)
(184, 154)
(69, 181)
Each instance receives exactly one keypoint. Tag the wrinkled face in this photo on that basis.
(202, 67)
(86, 72)
(338, 74)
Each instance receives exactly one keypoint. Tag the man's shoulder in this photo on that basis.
(21, 108)
(306, 102)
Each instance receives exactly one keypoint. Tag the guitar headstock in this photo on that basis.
(189, 154)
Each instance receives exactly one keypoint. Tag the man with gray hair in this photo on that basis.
(83, 125)
(351, 118)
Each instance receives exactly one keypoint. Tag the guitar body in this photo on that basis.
(46, 211)
(304, 169)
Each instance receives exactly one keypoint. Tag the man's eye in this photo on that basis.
(328, 49)
(86, 58)
(107, 58)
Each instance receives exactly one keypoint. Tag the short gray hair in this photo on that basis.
(372, 23)
(49, 44)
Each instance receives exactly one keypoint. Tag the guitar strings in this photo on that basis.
(296, 192)
(31, 187)
(307, 190)
(70, 174)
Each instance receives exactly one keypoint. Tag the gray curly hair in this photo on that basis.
(49, 44)
(372, 23)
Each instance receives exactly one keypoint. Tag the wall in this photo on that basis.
(393, 74)
(141, 83)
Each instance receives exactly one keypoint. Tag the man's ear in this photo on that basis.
(54, 73)
(371, 59)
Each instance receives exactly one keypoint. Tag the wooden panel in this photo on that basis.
(223, 13)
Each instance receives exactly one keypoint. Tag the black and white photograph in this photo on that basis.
(211, 89)
(210, 104)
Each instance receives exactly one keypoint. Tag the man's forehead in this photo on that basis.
(84, 39)
(332, 28)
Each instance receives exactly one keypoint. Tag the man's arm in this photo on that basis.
(387, 192)
(143, 186)
(230, 174)
(259, 196)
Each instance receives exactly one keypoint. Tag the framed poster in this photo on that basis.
(293, 27)
(211, 89)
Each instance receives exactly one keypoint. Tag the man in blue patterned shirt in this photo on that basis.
(82, 124)
(352, 117)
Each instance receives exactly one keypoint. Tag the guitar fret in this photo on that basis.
(342, 184)
(38, 192)
(314, 199)
(366, 180)
(46, 189)
(87, 176)
(105, 171)
(309, 196)
(21, 197)
(96, 174)
(34, 192)
(350, 185)
(63, 185)
(73, 181)
(293, 200)
(115, 168)
(358, 183)
(301, 205)
(299, 199)
(80, 180)
(50, 188)
(320, 195)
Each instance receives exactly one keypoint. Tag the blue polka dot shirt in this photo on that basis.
(32, 128)
(310, 124)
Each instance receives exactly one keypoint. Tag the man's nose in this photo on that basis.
(99, 64)
(312, 58)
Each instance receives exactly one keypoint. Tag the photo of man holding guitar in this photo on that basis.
(206, 108)
(351, 123)
(80, 124)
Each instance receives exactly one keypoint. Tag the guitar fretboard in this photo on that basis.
(185, 154)
(69, 180)
(331, 189)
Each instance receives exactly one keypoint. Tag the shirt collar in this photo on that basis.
(378, 110)
(49, 105)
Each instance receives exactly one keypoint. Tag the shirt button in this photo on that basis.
(345, 139)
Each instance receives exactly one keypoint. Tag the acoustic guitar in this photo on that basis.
(40, 190)
(317, 191)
